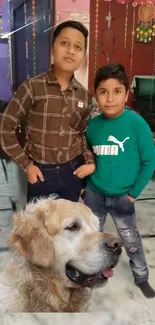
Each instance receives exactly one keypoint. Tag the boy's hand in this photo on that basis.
(131, 198)
(33, 173)
(84, 170)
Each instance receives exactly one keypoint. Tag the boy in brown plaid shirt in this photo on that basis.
(57, 107)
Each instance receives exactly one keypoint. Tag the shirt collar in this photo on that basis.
(52, 80)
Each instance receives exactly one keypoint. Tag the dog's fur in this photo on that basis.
(46, 236)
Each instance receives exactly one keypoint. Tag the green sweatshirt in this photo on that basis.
(124, 153)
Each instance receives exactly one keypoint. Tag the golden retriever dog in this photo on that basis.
(59, 256)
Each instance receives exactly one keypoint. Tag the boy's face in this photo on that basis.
(111, 96)
(69, 50)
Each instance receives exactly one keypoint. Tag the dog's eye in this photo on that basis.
(73, 227)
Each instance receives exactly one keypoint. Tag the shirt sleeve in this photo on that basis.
(147, 158)
(17, 108)
(88, 155)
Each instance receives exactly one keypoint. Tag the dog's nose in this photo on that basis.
(114, 244)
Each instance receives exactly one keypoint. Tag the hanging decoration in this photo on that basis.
(108, 43)
(108, 38)
(26, 42)
(34, 35)
(126, 25)
(10, 73)
(145, 28)
(1, 16)
(96, 35)
(109, 17)
(134, 4)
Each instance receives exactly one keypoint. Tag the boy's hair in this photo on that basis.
(112, 71)
(71, 24)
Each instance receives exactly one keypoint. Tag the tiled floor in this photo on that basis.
(120, 301)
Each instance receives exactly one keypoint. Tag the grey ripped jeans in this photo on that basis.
(122, 212)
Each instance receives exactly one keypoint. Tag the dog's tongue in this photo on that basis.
(108, 273)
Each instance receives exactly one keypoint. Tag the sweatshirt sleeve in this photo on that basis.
(17, 108)
(147, 158)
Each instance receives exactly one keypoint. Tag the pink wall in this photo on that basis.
(73, 5)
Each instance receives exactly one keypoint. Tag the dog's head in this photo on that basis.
(63, 235)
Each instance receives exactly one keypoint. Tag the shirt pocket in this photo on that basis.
(78, 110)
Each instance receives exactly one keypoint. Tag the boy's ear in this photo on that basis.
(52, 51)
(51, 55)
(127, 95)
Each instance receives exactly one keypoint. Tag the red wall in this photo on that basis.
(143, 53)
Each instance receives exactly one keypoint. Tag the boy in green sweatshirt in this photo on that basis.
(123, 147)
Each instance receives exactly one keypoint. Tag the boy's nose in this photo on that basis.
(71, 49)
(109, 98)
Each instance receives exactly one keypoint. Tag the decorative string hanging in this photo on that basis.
(134, 5)
(26, 42)
(108, 37)
(96, 36)
(10, 72)
(34, 35)
(126, 25)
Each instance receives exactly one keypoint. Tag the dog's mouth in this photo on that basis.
(97, 279)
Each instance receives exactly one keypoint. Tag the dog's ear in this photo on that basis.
(30, 236)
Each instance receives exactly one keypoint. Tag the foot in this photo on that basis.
(146, 289)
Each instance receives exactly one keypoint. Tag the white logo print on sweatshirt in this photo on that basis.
(113, 139)
(110, 150)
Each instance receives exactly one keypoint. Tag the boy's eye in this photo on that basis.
(78, 48)
(117, 91)
(103, 92)
(64, 43)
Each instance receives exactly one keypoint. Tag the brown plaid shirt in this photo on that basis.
(56, 121)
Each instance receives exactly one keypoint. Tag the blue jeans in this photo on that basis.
(58, 179)
(122, 212)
